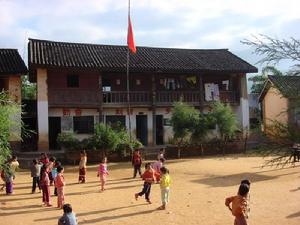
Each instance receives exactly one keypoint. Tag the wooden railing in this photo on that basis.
(175, 96)
(73, 97)
(119, 97)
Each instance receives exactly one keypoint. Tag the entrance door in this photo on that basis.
(159, 130)
(54, 130)
(142, 129)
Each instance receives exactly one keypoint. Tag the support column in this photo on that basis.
(201, 102)
(153, 89)
(244, 104)
(42, 110)
(14, 91)
(100, 100)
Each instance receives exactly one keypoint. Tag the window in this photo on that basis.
(83, 124)
(72, 81)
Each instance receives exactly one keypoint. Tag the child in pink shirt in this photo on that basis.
(102, 173)
(59, 184)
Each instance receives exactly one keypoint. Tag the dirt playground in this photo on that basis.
(197, 195)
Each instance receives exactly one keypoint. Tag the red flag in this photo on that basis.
(130, 39)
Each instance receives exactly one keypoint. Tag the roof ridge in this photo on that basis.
(110, 45)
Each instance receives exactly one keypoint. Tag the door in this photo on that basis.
(159, 130)
(142, 129)
(54, 130)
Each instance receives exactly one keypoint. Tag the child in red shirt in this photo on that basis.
(149, 178)
(137, 162)
(59, 184)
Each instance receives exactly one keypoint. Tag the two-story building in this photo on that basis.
(81, 84)
(12, 67)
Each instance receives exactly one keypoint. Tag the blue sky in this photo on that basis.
(164, 23)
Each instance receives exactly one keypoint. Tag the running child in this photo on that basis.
(239, 204)
(59, 184)
(102, 173)
(82, 167)
(136, 162)
(165, 183)
(149, 178)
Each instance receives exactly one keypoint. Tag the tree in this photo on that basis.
(260, 79)
(8, 109)
(28, 90)
(183, 120)
(226, 122)
(274, 50)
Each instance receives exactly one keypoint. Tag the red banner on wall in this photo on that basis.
(66, 112)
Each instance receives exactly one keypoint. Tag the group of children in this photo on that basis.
(47, 172)
(154, 173)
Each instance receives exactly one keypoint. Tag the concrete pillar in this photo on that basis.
(14, 91)
(244, 104)
(42, 110)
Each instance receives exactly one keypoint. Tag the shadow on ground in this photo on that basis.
(235, 179)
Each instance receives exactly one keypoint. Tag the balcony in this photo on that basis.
(164, 97)
(73, 97)
(167, 97)
(120, 97)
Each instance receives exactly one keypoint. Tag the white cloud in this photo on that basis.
(182, 23)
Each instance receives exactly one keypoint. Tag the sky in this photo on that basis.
(158, 23)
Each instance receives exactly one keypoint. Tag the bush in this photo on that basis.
(68, 140)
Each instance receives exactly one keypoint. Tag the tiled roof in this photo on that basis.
(289, 86)
(42, 53)
(11, 62)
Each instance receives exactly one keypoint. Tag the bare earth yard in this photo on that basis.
(197, 195)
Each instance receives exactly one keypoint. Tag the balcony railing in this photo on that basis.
(164, 97)
(73, 97)
(175, 96)
(120, 97)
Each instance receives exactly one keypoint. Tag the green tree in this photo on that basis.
(28, 90)
(226, 122)
(8, 109)
(183, 120)
(260, 79)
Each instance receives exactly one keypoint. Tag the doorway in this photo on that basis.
(54, 130)
(159, 130)
(142, 129)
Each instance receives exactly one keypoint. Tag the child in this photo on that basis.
(157, 166)
(50, 166)
(239, 205)
(82, 167)
(44, 159)
(102, 173)
(137, 162)
(248, 197)
(148, 178)
(164, 187)
(45, 185)
(14, 165)
(161, 154)
(35, 174)
(69, 217)
(9, 177)
(54, 174)
(59, 184)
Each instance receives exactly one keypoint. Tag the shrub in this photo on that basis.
(68, 140)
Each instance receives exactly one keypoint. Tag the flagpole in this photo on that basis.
(127, 77)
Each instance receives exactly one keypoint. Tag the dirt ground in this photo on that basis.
(197, 195)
